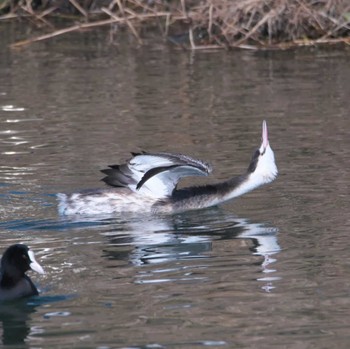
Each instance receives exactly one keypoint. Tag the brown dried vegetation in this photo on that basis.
(194, 24)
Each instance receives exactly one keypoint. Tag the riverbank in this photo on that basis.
(190, 24)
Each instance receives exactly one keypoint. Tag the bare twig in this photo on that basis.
(339, 26)
(210, 25)
(84, 26)
(126, 21)
(132, 28)
(255, 28)
(47, 12)
(167, 24)
(183, 6)
(143, 6)
(190, 34)
(79, 8)
(39, 18)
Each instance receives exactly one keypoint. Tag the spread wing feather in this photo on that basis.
(154, 174)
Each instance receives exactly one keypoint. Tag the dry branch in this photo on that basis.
(80, 27)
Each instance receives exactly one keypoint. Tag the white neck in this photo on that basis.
(252, 181)
(265, 172)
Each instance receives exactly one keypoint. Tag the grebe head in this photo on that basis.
(263, 160)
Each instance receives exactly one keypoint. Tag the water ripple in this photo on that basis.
(11, 107)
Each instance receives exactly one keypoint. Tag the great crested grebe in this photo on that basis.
(147, 183)
(14, 283)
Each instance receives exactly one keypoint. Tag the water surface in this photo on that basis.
(270, 269)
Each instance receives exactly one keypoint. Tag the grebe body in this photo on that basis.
(148, 183)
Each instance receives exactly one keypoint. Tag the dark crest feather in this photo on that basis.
(117, 176)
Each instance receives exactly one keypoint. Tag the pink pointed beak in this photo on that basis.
(264, 135)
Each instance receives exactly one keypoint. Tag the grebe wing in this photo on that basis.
(155, 174)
